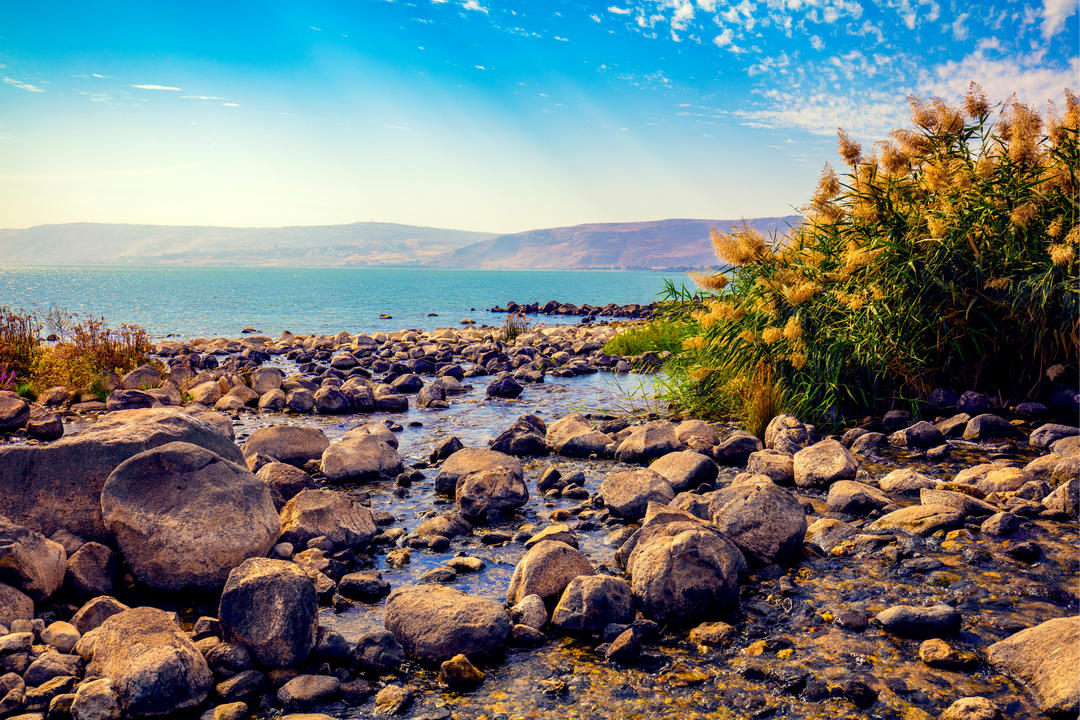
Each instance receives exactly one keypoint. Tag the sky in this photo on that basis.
(479, 114)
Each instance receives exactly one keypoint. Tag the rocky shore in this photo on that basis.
(437, 525)
(554, 307)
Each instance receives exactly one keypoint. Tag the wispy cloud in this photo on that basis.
(151, 86)
(616, 10)
(201, 97)
(1055, 13)
(474, 6)
(28, 87)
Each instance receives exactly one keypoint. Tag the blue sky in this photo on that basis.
(478, 114)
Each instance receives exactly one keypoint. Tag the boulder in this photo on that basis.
(14, 413)
(1044, 660)
(272, 400)
(524, 437)
(787, 434)
(919, 622)
(305, 691)
(96, 700)
(499, 490)
(434, 623)
(14, 605)
(58, 485)
(765, 521)
(31, 562)
(1046, 435)
(648, 441)
(685, 469)
(300, 400)
(822, 464)
(697, 432)
(961, 502)
(591, 602)
(468, 460)
(91, 570)
(46, 426)
(504, 387)
(988, 427)
(920, 435)
(331, 401)
(777, 465)
(284, 481)
(827, 533)
(153, 666)
(327, 513)
(128, 400)
(736, 448)
(266, 379)
(546, 569)
(855, 498)
(184, 517)
(291, 444)
(919, 520)
(95, 612)
(378, 651)
(360, 457)
(432, 397)
(627, 493)
(270, 607)
(1064, 501)
(906, 481)
(141, 378)
(974, 707)
(572, 435)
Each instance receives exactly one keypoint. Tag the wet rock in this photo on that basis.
(468, 460)
(153, 666)
(32, 563)
(95, 612)
(46, 427)
(905, 481)
(330, 514)
(365, 586)
(920, 435)
(1065, 499)
(272, 400)
(61, 635)
(971, 708)
(935, 652)
(697, 431)
(458, 672)
(184, 517)
(827, 533)
(736, 448)
(624, 649)
(765, 521)
(776, 465)
(305, 691)
(1044, 659)
(128, 400)
(292, 444)
(557, 531)
(868, 443)
(525, 636)
(787, 434)
(90, 571)
(919, 520)
(14, 413)
(648, 441)
(627, 493)
(445, 449)
(919, 622)
(572, 435)
(855, 498)
(392, 700)
(591, 602)
(58, 485)
(822, 464)
(504, 387)
(449, 525)
(546, 569)
(965, 504)
(716, 634)
(51, 665)
(96, 700)
(360, 457)
(1046, 435)
(434, 623)
(300, 400)
(685, 469)
(1002, 524)
(524, 437)
(284, 481)
(530, 611)
(14, 605)
(988, 427)
(498, 490)
(266, 379)
(973, 403)
(270, 607)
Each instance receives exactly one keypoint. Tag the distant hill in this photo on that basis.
(365, 244)
(661, 244)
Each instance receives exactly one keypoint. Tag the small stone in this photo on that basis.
(971, 708)
(713, 633)
(392, 700)
(935, 652)
(459, 672)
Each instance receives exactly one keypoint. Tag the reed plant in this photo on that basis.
(946, 256)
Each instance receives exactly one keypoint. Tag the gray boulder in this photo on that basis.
(32, 563)
(855, 498)
(919, 622)
(360, 457)
(327, 513)
(777, 465)
(627, 493)
(919, 520)
(499, 490)
(736, 448)
(685, 469)
(823, 463)
(1044, 660)
(291, 444)
(765, 521)
(468, 460)
(14, 413)
(988, 427)
(1046, 435)
(648, 441)
(434, 623)
(591, 602)
(572, 435)
(545, 570)
(787, 434)
(184, 517)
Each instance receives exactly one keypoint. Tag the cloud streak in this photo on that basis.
(28, 87)
(150, 86)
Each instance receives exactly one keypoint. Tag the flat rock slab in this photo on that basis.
(434, 623)
(1045, 659)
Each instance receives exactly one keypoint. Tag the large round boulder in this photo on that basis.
(546, 569)
(14, 413)
(434, 623)
(823, 463)
(648, 441)
(29, 561)
(291, 444)
(765, 521)
(328, 513)
(590, 602)
(184, 517)
(467, 460)
(573, 435)
(787, 434)
(270, 607)
(154, 667)
(628, 493)
(499, 490)
(1044, 659)
(360, 457)
(685, 469)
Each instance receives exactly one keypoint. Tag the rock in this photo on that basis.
(920, 435)
(284, 481)
(459, 672)
(360, 457)
(713, 633)
(449, 526)
(266, 379)
(827, 533)
(14, 605)
(300, 400)
(141, 378)
(546, 569)
(524, 437)
(46, 427)
(378, 651)
(504, 387)
(330, 514)
(305, 691)
(628, 492)
(445, 449)
(988, 427)
(499, 490)
(95, 612)
(700, 431)
(128, 400)
(919, 622)
(90, 571)
(272, 400)
(61, 635)
(1065, 499)
(682, 570)
(868, 443)
(331, 401)
(935, 652)
(184, 517)
(685, 469)
(434, 623)
(270, 607)
(822, 464)
(905, 481)
(29, 561)
(736, 448)
(432, 397)
(1044, 660)
(855, 498)
(572, 435)
(96, 700)
(530, 611)
(919, 520)
(365, 586)
(973, 403)
(787, 434)
(591, 602)
(525, 636)
(290, 444)
(1046, 435)
(391, 700)
(966, 504)
(1001, 524)
(468, 460)
(778, 466)
(648, 441)
(765, 521)
(971, 708)
(14, 413)
(58, 485)
(153, 666)
(625, 648)
(50, 665)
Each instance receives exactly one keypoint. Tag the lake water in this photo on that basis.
(195, 302)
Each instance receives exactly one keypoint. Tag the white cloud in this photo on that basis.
(28, 87)
(684, 13)
(816, 43)
(561, 38)
(1055, 13)
(708, 6)
(724, 38)
(616, 10)
(157, 87)
(231, 104)
(479, 67)
(959, 29)
(316, 29)
(201, 97)
(474, 6)
(595, 17)
(1032, 80)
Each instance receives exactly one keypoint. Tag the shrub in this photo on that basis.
(947, 257)
(514, 325)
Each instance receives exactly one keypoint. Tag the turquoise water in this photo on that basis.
(192, 302)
